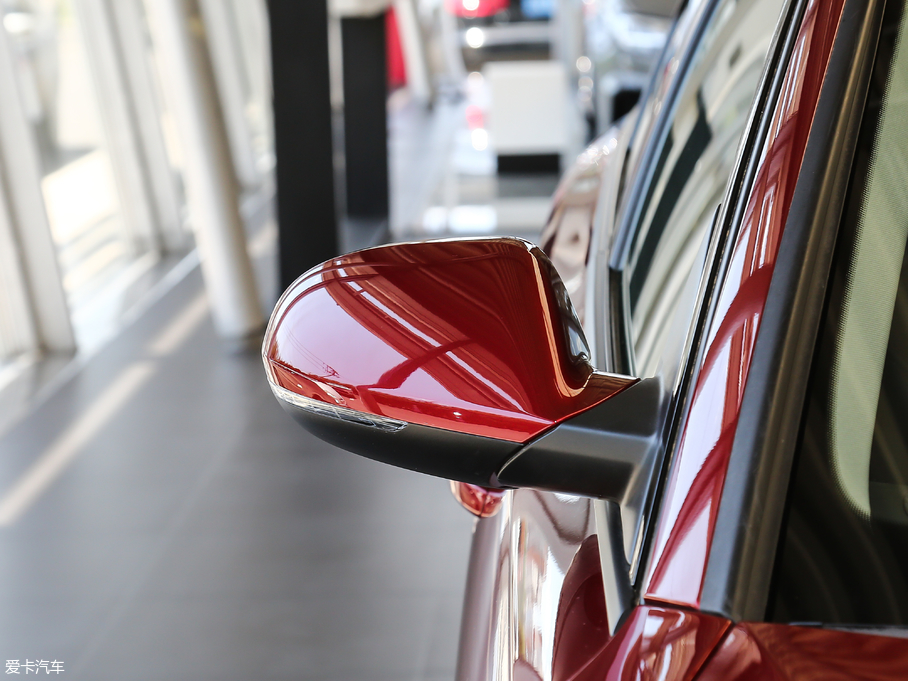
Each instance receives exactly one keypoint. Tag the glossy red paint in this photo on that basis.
(469, 335)
(480, 501)
(534, 595)
(779, 652)
(581, 625)
(656, 643)
(686, 524)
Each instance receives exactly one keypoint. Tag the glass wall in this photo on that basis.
(108, 157)
(60, 102)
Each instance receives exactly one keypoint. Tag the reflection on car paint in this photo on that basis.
(567, 236)
(656, 643)
(500, 355)
(480, 501)
(581, 624)
(546, 585)
(689, 509)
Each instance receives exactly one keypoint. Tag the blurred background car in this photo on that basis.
(503, 29)
(623, 40)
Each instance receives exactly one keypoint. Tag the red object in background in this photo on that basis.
(686, 524)
(476, 8)
(480, 501)
(475, 117)
(474, 336)
(397, 68)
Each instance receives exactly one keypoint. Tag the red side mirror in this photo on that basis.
(445, 357)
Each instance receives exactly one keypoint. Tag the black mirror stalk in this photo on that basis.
(609, 452)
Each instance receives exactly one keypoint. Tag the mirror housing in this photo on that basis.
(461, 358)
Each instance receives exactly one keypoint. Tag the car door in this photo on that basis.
(691, 165)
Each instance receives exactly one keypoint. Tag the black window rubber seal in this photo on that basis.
(746, 534)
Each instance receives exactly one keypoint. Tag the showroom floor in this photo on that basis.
(162, 518)
(184, 527)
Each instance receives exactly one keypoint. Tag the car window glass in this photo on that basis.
(844, 552)
(681, 33)
(693, 163)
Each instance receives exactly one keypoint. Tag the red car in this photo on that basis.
(684, 419)
(476, 8)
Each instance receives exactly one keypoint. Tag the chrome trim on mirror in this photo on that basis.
(334, 411)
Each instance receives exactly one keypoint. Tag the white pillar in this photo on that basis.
(233, 85)
(253, 33)
(450, 45)
(129, 19)
(212, 189)
(120, 127)
(17, 325)
(22, 176)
